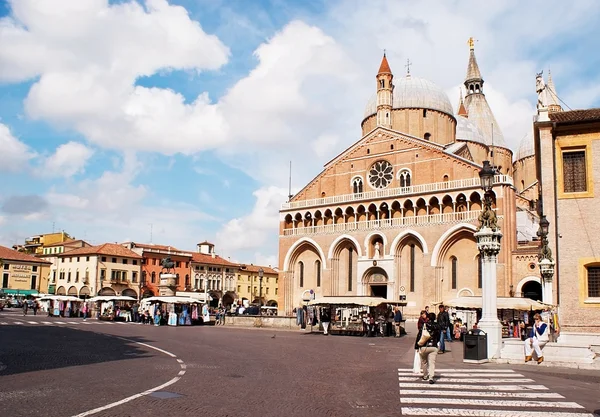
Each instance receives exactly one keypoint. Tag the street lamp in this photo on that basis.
(488, 243)
(260, 278)
(545, 261)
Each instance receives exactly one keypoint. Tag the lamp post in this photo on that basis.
(545, 261)
(261, 272)
(488, 243)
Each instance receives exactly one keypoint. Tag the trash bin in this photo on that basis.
(475, 347)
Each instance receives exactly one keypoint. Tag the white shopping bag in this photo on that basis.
(417, 363)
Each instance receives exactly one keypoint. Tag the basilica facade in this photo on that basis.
(394, 215)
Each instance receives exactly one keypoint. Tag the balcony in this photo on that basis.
(397, 192)
(412, 221)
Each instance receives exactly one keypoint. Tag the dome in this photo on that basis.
(415, 92)
(525, 147)
(467, 130)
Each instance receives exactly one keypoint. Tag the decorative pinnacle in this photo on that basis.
(471, 43)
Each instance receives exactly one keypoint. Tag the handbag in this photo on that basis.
(417, 363)
(425, 336)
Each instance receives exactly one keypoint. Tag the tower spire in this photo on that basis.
(462, 111)
(473, 80)
(553, 104)
(385, 93)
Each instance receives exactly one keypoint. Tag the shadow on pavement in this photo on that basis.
(27, 349)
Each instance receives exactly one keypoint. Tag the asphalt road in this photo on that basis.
(66, 367)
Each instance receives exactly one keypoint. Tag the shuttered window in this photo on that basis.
(574, 172)
(593, 282)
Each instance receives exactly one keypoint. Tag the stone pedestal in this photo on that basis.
(488, 243)
(167, 285)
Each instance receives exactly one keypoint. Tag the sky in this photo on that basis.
(174, 122)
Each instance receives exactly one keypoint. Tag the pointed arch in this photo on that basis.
(369, 237)
(446, 237)
(298, 243)
(524, 281)
(338, 240)
(404, 234)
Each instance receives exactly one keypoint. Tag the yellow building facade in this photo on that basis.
(249, 285)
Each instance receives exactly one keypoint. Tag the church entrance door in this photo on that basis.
(379, 291)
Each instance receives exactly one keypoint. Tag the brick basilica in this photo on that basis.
(394, 214)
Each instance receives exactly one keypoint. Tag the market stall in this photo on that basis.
(61, 305)
(174, 310)
(515, 313)
(355, 315)
(113, 307)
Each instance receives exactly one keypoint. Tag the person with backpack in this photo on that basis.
(426, 344)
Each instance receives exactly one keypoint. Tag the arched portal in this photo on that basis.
(376, 281)
(129, 293)
(61, 291)
(107, 291)
(532, 290)
(229, 298)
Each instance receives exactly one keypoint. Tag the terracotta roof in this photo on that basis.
(67, 242)
(575, 116)
(208, 259)
(165, 248)
(110, 249)
(384, 68)
(206, 242)
(255, 268)
(8, 254)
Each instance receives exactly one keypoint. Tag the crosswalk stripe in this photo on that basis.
(46, 322)
(469, 380)
(480, 394)
(60, 322)
(495, 403)
(32, 322)
(441, 384)
(508, 371)
(463, 375)
(5, 323)
(73, 322)
(411, 411)
(17, 322)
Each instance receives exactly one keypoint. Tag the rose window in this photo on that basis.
(381, 174)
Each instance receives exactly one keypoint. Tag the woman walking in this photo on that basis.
(427, 347)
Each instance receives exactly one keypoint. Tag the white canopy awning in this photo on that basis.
(112, 298)
(507, 303)
(353, 301)
(60, 298)
(173, 299)
(195, 295)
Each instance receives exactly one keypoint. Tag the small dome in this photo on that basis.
(525, 147)
(467, 130)
(414, 92)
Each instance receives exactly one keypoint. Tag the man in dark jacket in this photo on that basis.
(428, 350)
(444, 321)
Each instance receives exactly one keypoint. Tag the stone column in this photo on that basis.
(488, 243)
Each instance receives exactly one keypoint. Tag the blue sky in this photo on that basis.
(181, 117)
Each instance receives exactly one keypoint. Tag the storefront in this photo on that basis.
(20, 273)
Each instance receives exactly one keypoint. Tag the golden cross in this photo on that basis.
(471, 43)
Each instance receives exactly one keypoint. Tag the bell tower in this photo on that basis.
(385, 94)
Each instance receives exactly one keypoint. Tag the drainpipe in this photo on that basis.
(556, 235)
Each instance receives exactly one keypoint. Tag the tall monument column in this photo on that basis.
(488, 242)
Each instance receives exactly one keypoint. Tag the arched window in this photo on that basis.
(187, 280)
(357, 185)
(381, 84)
(153, 277)
(144, 273)
(301, 271)
(446, 178)
(424, 112)
(404, 177)
(454, 271)
(427, 136)
(318, 272)
(479, 272)
(176, 279)
(350, 254)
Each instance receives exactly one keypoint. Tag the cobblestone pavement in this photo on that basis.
(53, 369)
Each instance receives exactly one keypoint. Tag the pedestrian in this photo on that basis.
(325, 320)
(537, 340)
(423, 317)
(398, 322)
(25, 307)
(444, 322)
(35, 307)
(427, 347)
(450, 322)
(84, 310)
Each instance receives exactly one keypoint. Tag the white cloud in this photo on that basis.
(15, 155)
(257, 229)
(68, 160)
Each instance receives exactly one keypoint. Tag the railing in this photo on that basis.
(396, 192)
(465, 216)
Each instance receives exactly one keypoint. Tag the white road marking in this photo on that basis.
(470, 380)
(447, 393)
(32, 322)
(508, 371)
(496, 403)
(411, 411)
(46, 322)
(17, 322)
(141, 394)
(60, 322)
(4, 323)
(459, 375)
(441, 384)
(73, 322)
